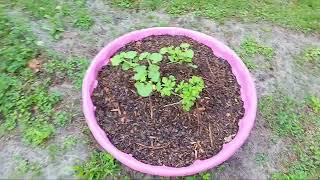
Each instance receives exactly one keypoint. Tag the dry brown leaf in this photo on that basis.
(35, 65)
(229, 138)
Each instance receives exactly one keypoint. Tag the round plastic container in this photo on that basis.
(247, 90)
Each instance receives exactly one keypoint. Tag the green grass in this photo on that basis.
(250, 48)
(72, 68)
(309, 60)
(99, 166)
(298, 121)
(303, 15)
(58, 14)
(69, 143)
(26, 102)
(24, 167)
(261, 159)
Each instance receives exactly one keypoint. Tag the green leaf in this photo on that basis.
(143, 89)
(125, 66)
(141, 73)
(130, 54)
(154, 73)
(116, 60)
(189, 53)
(163, 50)
(158, 86)
(144, 55)
(155, 57)
(184, 45)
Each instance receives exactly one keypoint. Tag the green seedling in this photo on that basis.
(190, 91)
(166, 87)
(99, 166)
(315, 103)
(180, 54)
(126, 59)
(148, 77)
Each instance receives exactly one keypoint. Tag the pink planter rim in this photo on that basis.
(247, 91)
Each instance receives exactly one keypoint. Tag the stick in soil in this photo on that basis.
(172, 104)
(153, 147)
(210, 135)
(209, 67)
(151, 111)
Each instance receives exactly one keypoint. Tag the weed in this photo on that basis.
(314, 102)
(38, 133)
(281, 114)
(250, 48)
(309, 60)
(260, 159)
(296, 121)
(84, 21)
(221, 168)
(69, 142)
(53, 151)
(25, 100)
(56, 13)
(205, 176)
(61, 118)
(249, 63)
(73, 68)
(25, 166)
(303, 15)
(99, 166)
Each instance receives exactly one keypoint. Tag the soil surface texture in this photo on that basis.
(155, 130)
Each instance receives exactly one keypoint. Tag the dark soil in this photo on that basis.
(155, 130)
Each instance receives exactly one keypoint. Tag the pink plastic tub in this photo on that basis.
(248, 95)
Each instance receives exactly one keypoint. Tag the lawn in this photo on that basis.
(46, 47)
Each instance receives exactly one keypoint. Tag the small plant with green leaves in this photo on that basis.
(260, 159)
(179, 54)
(190, 91)
(127, 60)
(309, 60)
(249, 48)
(99, 166)
(315, 103)
(69, 142)
(166, 86)
(148, 78)
(24, 167)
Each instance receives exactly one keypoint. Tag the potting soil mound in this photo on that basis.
(155, 129)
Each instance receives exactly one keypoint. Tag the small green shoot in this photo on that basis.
(180, 54)
(314, 102)
(190, 91)
(144, 89)
(61, 118)
(309, 60)
(84, 21)
(250, 48)
(69, 142)
(260, 159)
(166, 87)
(148, 78)
(99, 166)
